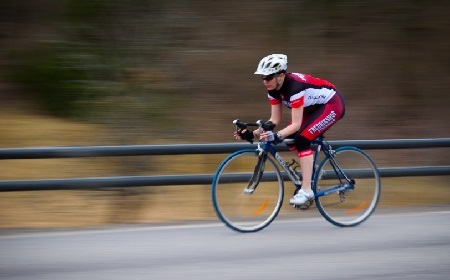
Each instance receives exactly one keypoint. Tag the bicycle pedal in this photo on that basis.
(304, 206)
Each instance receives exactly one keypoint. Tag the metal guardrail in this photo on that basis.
(149, 150)
(186, 149)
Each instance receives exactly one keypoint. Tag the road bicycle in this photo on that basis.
(248, 187)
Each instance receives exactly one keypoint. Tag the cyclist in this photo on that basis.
(315, 105)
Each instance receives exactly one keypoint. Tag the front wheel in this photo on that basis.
(347, 187)
(238, 207)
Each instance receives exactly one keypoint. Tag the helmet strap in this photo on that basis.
(278, 83)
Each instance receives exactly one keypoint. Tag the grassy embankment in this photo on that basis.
(134, 205)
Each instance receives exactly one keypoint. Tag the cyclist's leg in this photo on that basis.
(306, 184)
(293, 147)
(306, 166)
(306, 158)
(320, 119)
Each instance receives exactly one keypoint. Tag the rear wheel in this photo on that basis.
(352, 206)
(238, 207)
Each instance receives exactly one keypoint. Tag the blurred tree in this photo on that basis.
(94, 65)
(135, 63)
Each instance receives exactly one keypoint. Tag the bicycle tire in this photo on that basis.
(244, 212)
(354, 206)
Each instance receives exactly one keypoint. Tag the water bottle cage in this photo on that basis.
(294, 162)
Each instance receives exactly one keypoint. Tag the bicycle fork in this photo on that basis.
(257, 173)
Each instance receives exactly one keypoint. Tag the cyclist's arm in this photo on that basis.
(297, 116)
(276, 114)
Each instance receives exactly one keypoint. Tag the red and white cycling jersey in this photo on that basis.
(302, 90)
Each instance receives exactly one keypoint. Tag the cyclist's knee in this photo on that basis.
(302, 143)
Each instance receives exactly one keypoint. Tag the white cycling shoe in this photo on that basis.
(302, 197)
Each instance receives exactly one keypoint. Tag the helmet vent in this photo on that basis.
(272, 64)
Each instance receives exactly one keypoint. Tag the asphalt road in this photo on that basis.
(390, 245)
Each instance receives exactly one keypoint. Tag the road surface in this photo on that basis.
(390, 245)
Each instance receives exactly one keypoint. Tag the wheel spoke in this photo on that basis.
(238, 208)
(352, 206)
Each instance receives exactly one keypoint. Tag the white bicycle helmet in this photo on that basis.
(272, 64)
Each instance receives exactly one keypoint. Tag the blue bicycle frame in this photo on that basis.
(268, 147)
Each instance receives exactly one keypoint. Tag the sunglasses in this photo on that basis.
(268, 78)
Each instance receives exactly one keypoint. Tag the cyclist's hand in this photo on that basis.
(244, 135)
(270, 136)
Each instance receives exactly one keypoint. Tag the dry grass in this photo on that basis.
(89, 208)
(132, 205)
(169, 203)
(86, 208)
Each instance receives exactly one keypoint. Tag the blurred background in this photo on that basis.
(98, 72)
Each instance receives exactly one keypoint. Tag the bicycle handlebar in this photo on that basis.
(267, 126)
